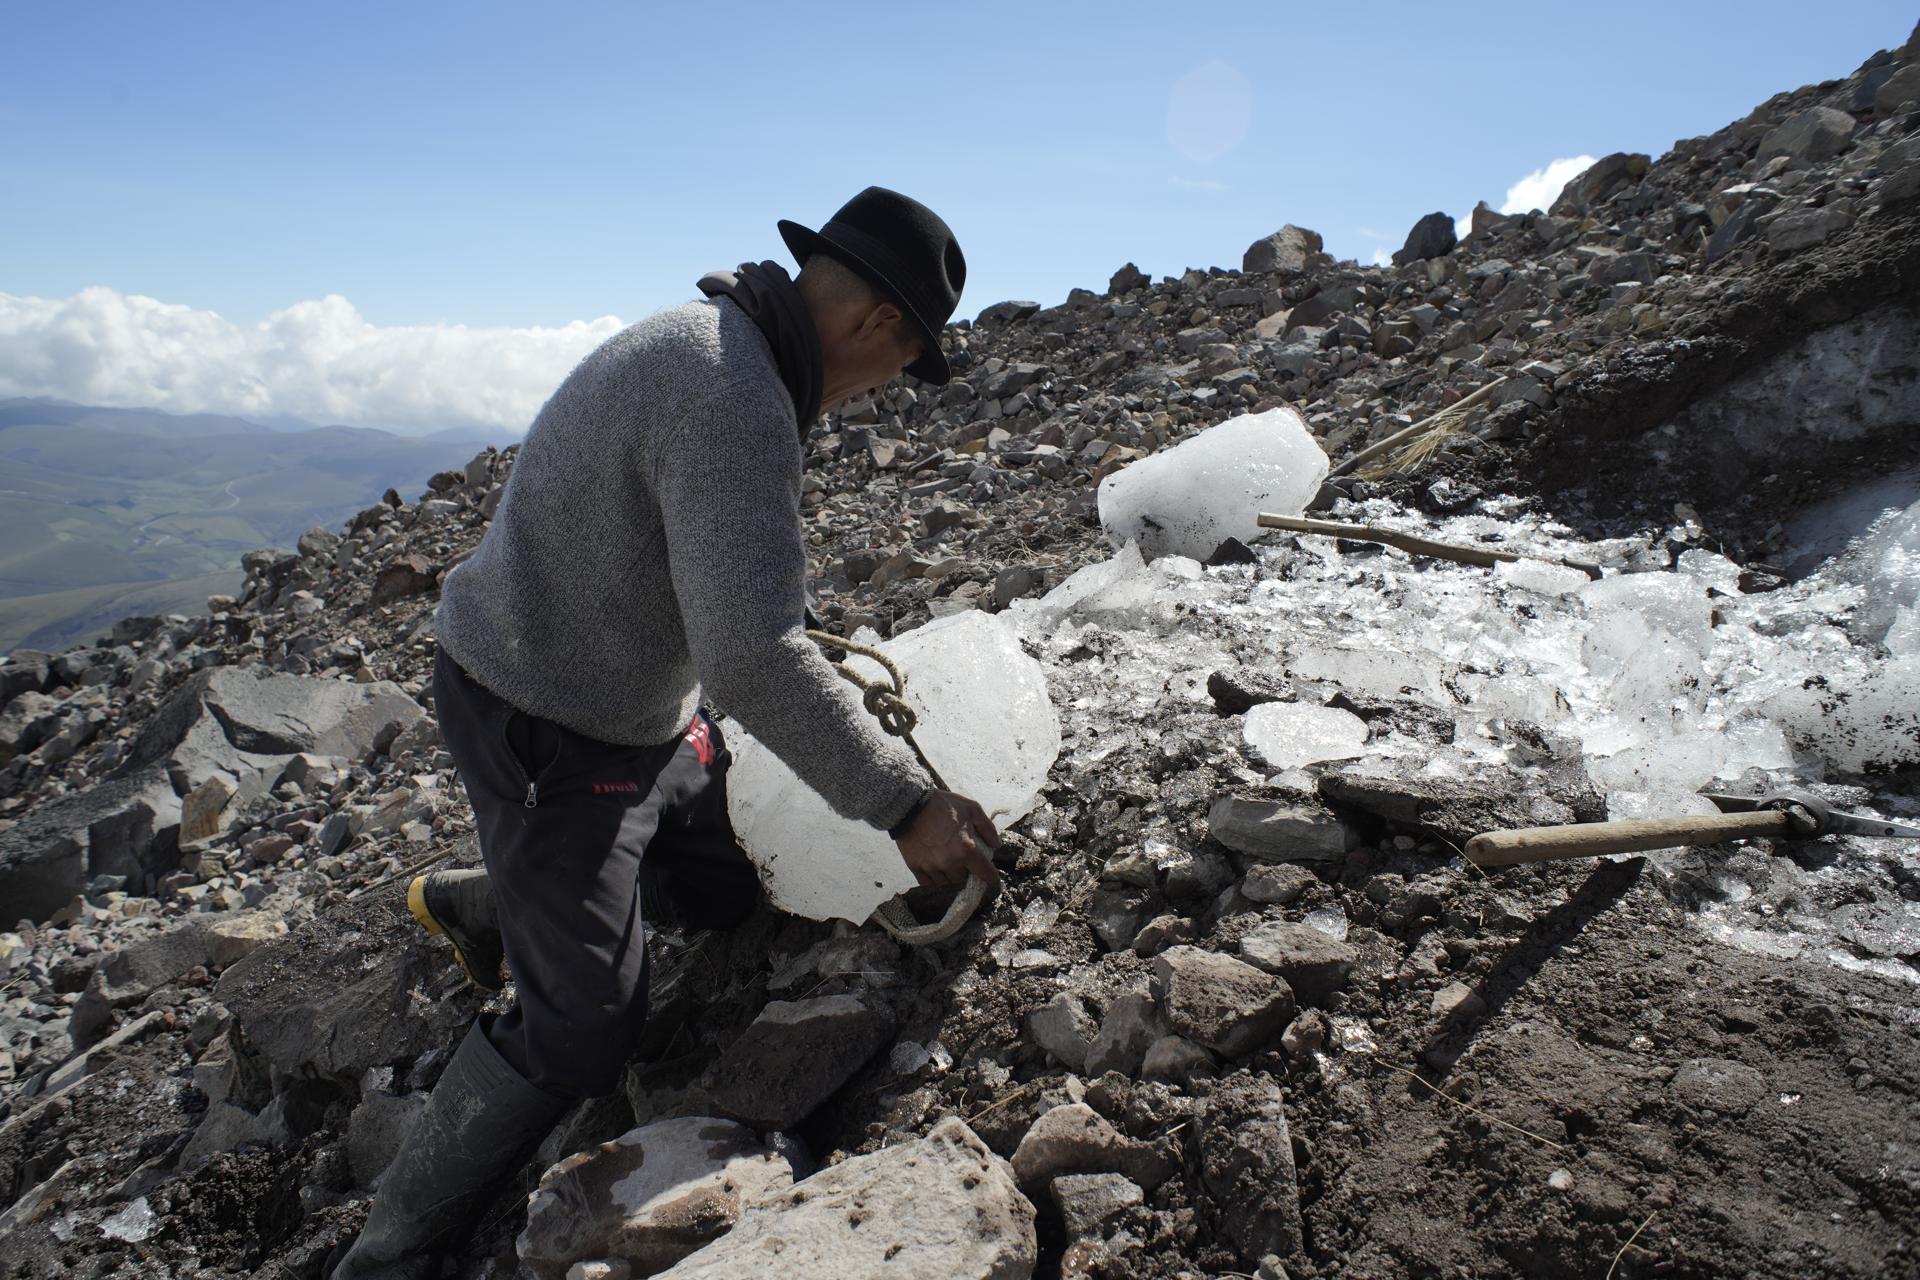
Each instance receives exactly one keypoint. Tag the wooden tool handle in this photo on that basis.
(1586, 839)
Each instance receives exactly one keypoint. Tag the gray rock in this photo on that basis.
(1006, 312)
(1175, 1058)
(793, 1058)
(1091, 1204)
(1127, 279)
(1246, 1165)
(1741, 226)
(362, 986)
(652, 1196)
(1278, 883)
(1314, 964)
(234, 722)
(28, 720)
(1804, 228)
(1015, 582)
(1279, 830)
(1132, 1025)
(1598, 181)
(1809, 136)
(1221, 1003)
(1298, 354)
(1064, 1028)
(125, 826)
(375, 1131)
(942, 1208)
(1074, 1138)
(1433, 236)
(223, 1127)
(1288, 251)
(1898, 91)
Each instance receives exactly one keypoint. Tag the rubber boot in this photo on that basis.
(481, 1121)
(459, 906)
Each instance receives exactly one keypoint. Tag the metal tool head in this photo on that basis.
(1812, 817)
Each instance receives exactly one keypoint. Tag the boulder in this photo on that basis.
(1221, 1003)
(26, 722)
(1277, 884)
(1074, 1138)
(1132, 1025)
(652, 1196)
(1312, 963)
(1433, 236)
(1276, 829)
(1809, 136)
(794, 1057)
(1598, 181)
(1898, 91)
(125, 826)
(1288, 251)
(1127, 279)
(362, 986)
(1091, 1204)
(403, 576)
(942, 1208)
(245, 725)
(1065, 1029)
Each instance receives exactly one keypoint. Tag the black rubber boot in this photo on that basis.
(459, 906)
(481, 1121)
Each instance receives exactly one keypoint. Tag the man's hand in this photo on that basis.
(950, 841)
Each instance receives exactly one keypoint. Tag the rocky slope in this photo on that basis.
(218, 1017)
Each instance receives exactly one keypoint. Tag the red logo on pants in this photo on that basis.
(701, 736)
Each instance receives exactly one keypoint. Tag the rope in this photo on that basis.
(886, 701)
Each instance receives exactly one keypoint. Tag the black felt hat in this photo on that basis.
(905, 250)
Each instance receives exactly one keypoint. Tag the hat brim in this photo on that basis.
(803, 243)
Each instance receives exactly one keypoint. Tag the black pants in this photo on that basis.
(584, 841)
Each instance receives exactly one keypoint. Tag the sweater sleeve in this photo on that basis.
(727, 477)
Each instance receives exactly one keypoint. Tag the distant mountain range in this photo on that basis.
(110, 511)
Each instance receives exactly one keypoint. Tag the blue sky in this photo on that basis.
(525, 165)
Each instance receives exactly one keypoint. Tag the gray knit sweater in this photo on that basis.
(649, 545)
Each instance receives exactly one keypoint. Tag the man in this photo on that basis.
(649, 548)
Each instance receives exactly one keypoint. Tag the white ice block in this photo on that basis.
(1189, 499)
(986, 723)
(1289, 734)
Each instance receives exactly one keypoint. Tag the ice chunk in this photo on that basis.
(1866, 723)
(1383, 673)
(1287, 734)
(1538, 575)
(132, 1224)
(1189, 499)
(985, 722)
(1115, 585)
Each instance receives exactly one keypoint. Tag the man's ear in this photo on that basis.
(881, 320)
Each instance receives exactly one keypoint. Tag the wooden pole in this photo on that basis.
(1589, 839)
(1413, 544)
(1419, 428)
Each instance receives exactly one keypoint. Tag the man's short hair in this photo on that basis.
(832, 281)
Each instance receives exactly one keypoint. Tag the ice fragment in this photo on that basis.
(1189, 499)
(132, 1224)
(1287, 734)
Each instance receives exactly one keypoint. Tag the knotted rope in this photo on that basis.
(886, 701)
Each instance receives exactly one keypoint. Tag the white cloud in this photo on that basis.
(1197, 184)
(1535, 191)
(1382, 257)
(1538, 189)
(319, 360)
